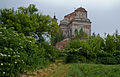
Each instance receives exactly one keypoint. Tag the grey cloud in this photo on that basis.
(104, 18)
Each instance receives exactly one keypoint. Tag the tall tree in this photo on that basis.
(76, 34)
(59, 37)
(82, 34)
(28, 21)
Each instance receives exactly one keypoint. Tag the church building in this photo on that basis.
(75, 21)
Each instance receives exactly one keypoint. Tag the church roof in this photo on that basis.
(81, 9)
(73, 13)
(71, 17)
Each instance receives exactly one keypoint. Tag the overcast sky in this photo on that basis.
(104, 14)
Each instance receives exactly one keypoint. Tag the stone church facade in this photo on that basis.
(75, 20)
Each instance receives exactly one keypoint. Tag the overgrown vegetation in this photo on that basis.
(80, 34)
(93, 70)
(58, 37)
(81, 70)
(23, 47)
(95, 49)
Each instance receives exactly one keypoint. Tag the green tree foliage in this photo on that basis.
(79, 49)
(81, 34)
(95, 49)
(30, 10)
(50, 52)
(58, 37)
(110, 43)
(28, 21)
(76, 34)
(19, 52)
(96, 43)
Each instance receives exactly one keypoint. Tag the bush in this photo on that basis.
(118, 59)
(82, 59)
(79, 50)
(95, 49)
(72, 56)
(116, 54)
(18, 53)
(102, 53)
(50, 52)
(107, 60)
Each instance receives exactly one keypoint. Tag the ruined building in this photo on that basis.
(75, 20)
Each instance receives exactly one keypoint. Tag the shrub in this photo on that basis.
(118, 59)
(72, 56)
(102, 53)
(116, 54)
(17, 53)
(107, 60)
(82, 59)
(50, 52)
(80, 51)
(95, 49)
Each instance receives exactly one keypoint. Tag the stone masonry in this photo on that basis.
(75, 20)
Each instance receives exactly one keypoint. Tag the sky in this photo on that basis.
(104, 14)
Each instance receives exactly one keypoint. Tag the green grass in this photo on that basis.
(81, 70)
(93, 70)
(60, 71)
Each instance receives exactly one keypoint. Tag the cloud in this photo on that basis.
(104, 14)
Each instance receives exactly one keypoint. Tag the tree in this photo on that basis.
(18, 49)
(82, 34)
(28, 21)
(59, 37)
(110, 43)
(76, 34)
(18, 53)
(30, 10)
(22, 23)
(93, 34)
